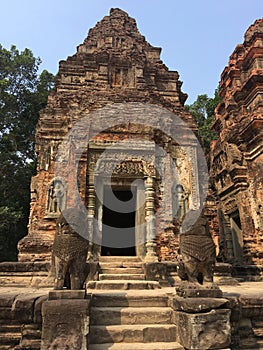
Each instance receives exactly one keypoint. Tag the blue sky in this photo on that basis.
(197, 37)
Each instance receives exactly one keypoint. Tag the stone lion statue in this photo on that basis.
(70, 249)
(197, 249)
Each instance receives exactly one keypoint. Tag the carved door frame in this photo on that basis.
(140, 226)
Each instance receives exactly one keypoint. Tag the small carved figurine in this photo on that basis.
(70, 248)
(197, 250)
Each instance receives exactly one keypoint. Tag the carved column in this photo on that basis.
(192, 154)
(151, 255)
(91, 214)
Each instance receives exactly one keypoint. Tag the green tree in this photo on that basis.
(203, 111)
(23, 92)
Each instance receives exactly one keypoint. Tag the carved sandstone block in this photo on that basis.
(197, 305)
(202, 331)
(65, 324)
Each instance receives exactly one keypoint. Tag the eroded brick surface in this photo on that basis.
(236, 157)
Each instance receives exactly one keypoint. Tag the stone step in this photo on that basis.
(121, 270)
(5, 315)
(21, 279)
(119, 259)
(12, 338)
(30, 344)
(117, 276)
(130, 315)
(121, 265)
(137, 346)
(10, 328)
(15, 281)
(132, 333)
(123, 284)
(146, 298)
(31, 332)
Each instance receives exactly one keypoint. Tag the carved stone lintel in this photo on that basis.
(126, 168)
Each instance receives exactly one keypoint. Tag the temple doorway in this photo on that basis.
(237, 236)
(118, 221)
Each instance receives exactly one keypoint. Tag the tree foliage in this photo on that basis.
(203, 111)
(23, 92)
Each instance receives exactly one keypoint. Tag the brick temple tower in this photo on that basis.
(117, 85)
(237, 156)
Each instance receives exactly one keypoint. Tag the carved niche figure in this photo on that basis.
(179, 201)
(70, 248)
(56, 197)
(197, 249)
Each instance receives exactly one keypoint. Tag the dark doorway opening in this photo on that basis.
(237, 236)
(118, 222)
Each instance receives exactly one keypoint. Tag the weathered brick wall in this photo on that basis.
(236, 157)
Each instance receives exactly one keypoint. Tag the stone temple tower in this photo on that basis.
(115, 124)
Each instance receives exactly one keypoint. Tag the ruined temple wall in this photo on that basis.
(255, 172)
(236, 157)
(237, 209)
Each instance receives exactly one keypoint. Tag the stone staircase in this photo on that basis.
(120, 267)
(23, 274)
(10, 335)
(121, 273)
(20, 337)
(31, 337)
(128, 312)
